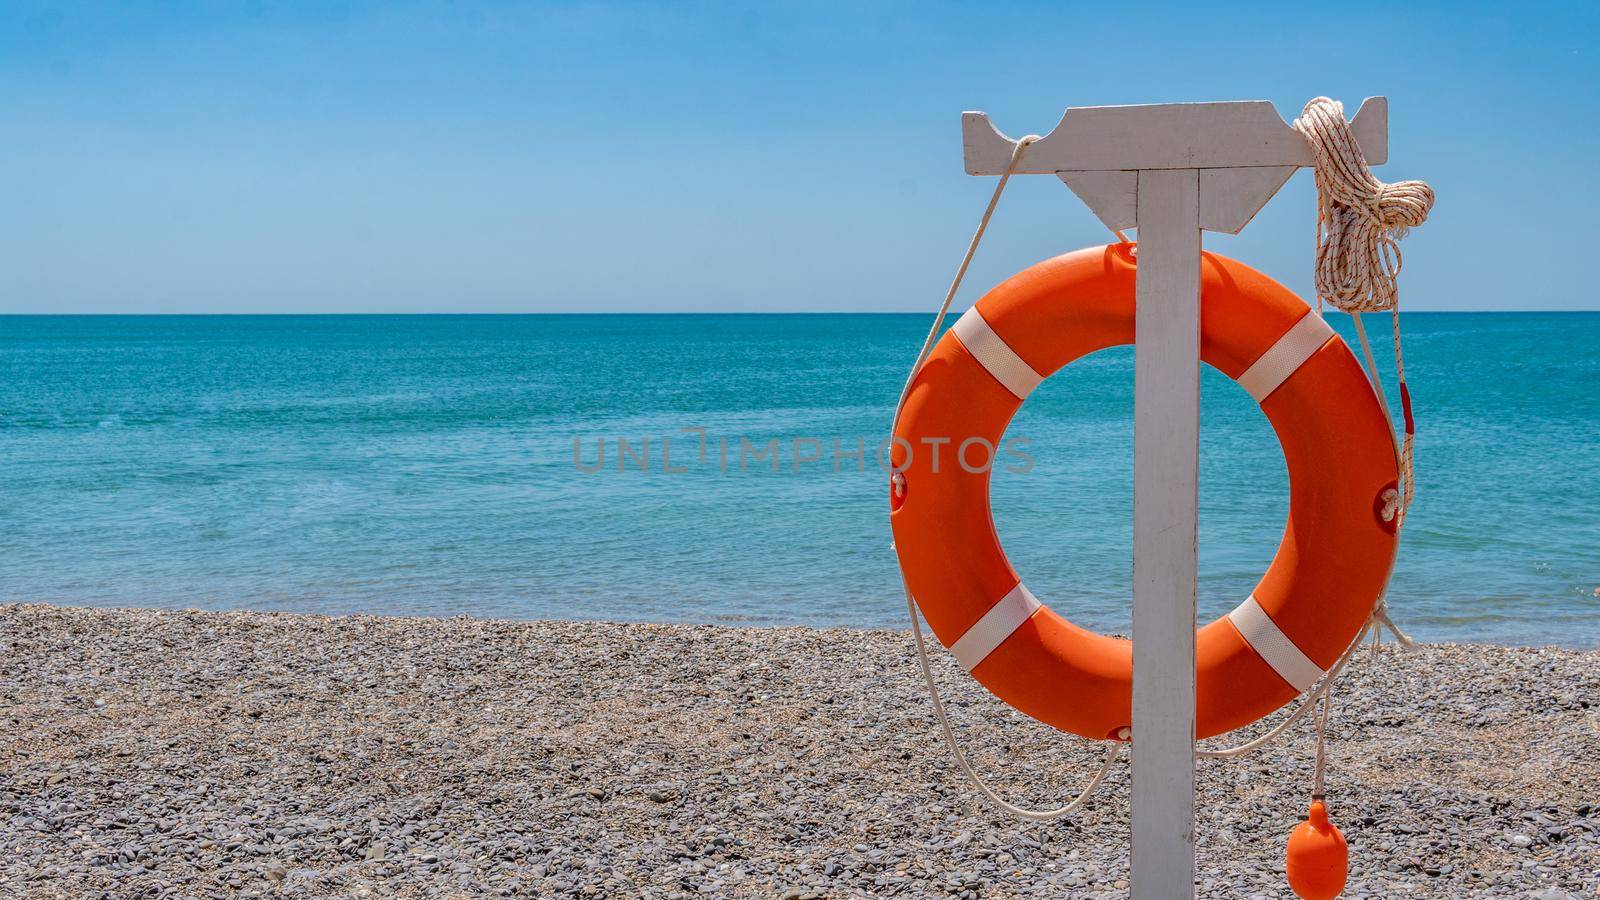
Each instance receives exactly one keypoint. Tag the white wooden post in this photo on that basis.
(1166, 457)
(1172, 171)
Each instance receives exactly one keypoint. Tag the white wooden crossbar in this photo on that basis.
(1165, 136)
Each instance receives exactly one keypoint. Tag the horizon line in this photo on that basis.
(775, 312)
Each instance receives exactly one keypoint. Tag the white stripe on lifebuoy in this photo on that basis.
(1272, 645)
(989, 632)
(995, 354)
(1287, 354)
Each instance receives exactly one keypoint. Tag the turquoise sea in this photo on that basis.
(425, 465)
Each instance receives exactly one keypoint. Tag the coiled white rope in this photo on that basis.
(1360, 221)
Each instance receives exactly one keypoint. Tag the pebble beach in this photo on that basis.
(202, 754)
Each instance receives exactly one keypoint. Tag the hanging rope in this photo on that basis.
(961, 273)
(1312, 697)
(1360, 222)
(1033, 815)
(1318, 783)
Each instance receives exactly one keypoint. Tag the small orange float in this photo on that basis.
(1318, 860)
(1330, 568)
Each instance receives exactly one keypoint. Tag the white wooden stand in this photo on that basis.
(1171, 171)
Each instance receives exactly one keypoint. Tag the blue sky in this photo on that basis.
(417, 157)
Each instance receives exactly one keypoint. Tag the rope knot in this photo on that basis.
(1391, 504)
(1403, 205)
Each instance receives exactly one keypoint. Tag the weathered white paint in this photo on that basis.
(1371, 128)
(1166, 447)
(1164, 136)
(1111, 193)
(1230, 198)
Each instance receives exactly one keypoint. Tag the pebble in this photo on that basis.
(265, 755)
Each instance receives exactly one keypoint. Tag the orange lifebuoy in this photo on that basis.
(1336, 552)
